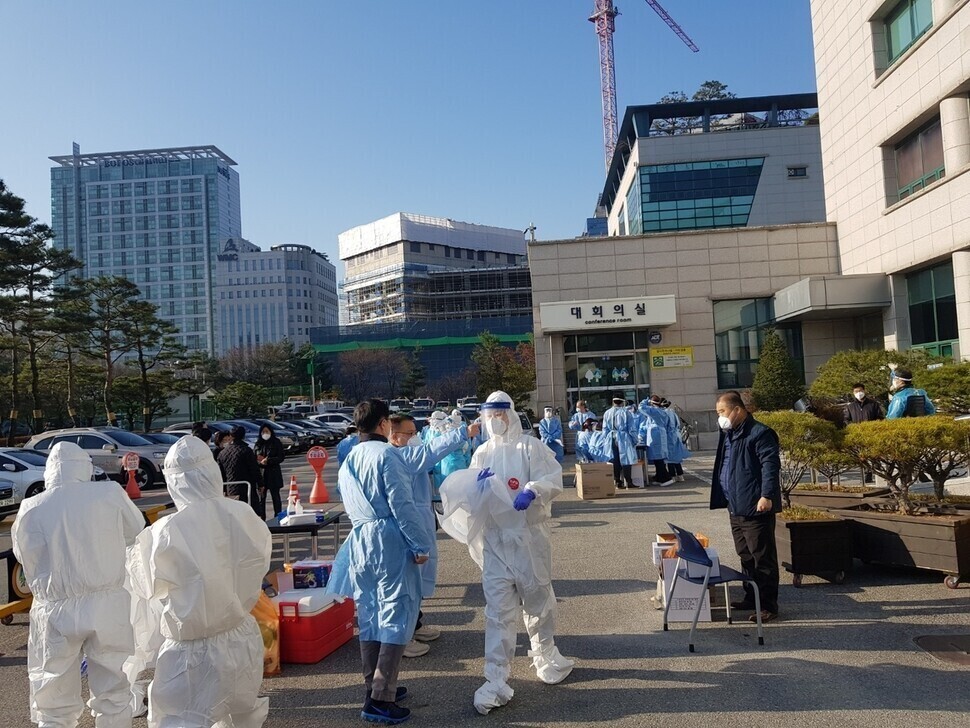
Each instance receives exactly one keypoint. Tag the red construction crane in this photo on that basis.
(604, 18)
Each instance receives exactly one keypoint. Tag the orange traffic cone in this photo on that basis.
(131, 487)
(293, 504)
(317, 457)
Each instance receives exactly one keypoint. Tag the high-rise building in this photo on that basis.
(158, 217)
(265, 296)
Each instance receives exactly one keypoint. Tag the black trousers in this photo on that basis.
(625, 470)
(277, 499)
(661, 474)
(754, 541)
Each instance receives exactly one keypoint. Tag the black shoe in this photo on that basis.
(401, 694)
(381, 711)
(766, 616)
(743, 606)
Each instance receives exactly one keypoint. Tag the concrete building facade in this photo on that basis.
(893, 80)
(265, 296)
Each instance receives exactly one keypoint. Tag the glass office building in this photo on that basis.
(155, 216)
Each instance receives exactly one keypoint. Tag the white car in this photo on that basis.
(338, 420)
(23, 472)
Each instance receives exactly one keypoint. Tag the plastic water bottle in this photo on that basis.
(84, 667)
(293, 505)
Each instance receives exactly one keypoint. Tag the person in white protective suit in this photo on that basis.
(71, 540)
(502, 514)
(204, 565)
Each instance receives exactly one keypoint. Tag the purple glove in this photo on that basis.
(523, 500)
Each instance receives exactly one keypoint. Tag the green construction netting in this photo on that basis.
(412, 343)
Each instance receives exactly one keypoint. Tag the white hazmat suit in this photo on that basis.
(71, 540)
(489, 507)
(204, 565)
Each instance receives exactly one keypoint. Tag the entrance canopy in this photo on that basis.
(833, 296)
(607, 313)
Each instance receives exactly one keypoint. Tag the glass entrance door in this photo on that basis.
(597, 378)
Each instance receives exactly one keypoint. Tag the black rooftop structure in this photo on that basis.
(638, 120)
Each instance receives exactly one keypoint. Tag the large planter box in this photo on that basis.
(938, 543)
(821, 548)
(834, 499)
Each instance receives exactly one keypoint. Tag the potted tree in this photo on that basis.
(904, 531)
(809, 540)
(832, 462)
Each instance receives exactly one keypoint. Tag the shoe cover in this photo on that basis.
(493, 694)
(551, 667)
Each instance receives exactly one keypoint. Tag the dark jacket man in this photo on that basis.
(238, 462)
(864, 411)
(746, 482)
(754, 466)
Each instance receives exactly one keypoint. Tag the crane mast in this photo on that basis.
(604, 18)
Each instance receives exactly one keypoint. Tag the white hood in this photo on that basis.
(514, 431)
(67, 463)
(191, 472)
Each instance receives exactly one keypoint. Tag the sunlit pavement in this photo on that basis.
(841, 654)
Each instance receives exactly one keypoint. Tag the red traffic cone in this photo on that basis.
(131, 487)
(317, 457)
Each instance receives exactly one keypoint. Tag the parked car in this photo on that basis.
(396, 405)
(346, 411)
(162, 438)
(337, 420)
(24, 471)
(21, 430)
(290, 444)
(422, 403)
(443, 404)
(106, 446)
(324, 433)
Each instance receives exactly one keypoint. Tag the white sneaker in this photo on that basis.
(665, 484)
(416, 649)
(427, 633)
(679, 478)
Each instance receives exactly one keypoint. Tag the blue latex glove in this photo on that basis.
(523, 500)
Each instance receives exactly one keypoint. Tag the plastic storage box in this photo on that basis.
(313, 624)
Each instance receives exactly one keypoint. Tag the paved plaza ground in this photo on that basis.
(841, 655)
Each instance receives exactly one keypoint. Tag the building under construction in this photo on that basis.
(407, 268)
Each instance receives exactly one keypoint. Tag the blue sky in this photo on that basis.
(340, 113)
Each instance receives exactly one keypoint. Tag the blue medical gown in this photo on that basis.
(550, 432)
(578, 418)
(897, 405)
(619, 424)
(599, 447)
(419, 460)
(677, 451)
(375, 565)
(344, 447)
(653, 432)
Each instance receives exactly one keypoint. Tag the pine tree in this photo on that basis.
(777, 384)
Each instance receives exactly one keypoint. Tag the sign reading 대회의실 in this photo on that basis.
(614, 313)
(670, 357)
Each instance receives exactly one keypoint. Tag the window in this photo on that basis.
(932, 306)
(739, 329)
(91, 442)
(621, 220)
(481, 256)
(698, 195)
(447, 252)
(919, 159)
(905, 24)
(797, 172)
(415, 247)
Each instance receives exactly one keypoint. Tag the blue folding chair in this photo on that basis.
(690, 550)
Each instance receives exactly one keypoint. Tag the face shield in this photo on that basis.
(500, 419)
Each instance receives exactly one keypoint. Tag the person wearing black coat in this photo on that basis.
(862, 408)
(269, 455)
(746, 481)
(238, 463)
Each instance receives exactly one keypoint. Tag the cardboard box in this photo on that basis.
(684, 601)
(281, 580)
(309, 574)
(696, 571)
(663, 543)
(594, 481)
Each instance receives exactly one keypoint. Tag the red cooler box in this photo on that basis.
(313, 624)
